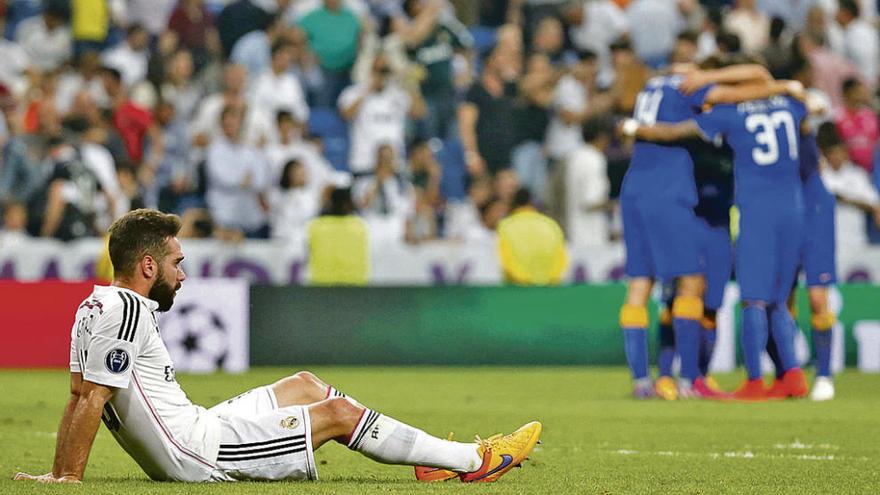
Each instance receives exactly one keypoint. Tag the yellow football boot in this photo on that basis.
(502, 453)
(665, 388)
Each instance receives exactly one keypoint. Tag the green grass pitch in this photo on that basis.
(596, 439)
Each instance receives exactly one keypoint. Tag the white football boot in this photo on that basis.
(823, 389)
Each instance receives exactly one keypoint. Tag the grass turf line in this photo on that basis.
(596, 439)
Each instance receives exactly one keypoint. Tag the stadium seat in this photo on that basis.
(484, 38)
(451, 158)
(326, 123)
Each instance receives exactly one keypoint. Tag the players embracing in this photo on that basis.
(762, 121)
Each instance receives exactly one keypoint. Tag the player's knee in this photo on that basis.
(823, 322)
(691, 285)
(306, 378)
(638, 291)
(343, 411)
(688, 307)
(633, 316)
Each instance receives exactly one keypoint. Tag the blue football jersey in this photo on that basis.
(765, 138)
(809, 155)
(658, 170)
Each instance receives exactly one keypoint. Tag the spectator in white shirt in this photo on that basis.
(861, 45)
(46, 38)
(152, 14)
(293, 203)
(258, 126)
(597, 25)
(654, 24)
(752, 26)
(237, 180)
(276, 88)
(378, 111)
(86, 78)
(850, 184)
(463, 218)
(385, 192)
(292, 146)
(131, 56)
(179, 88)
(587, 186)
(572, 106)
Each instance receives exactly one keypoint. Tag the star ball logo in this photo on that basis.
(117, 361)
(196, 336)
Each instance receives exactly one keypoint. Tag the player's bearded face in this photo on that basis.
(163, 290)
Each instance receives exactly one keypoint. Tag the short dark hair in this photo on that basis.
(849, 84)
(523, 197)
(596, 127)
(827, 136)
(729, 41)
(135, 29)
(689, 36)
(283, 115)
(849, 6)
(139, 233)
(587, 56)
(777, 26)
(340, 203)
(280, 45)
(113, 73)
(284, 183)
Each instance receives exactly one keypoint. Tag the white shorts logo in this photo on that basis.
(290, 422)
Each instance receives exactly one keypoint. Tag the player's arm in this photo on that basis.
(720, 94)
(734, 74)
(75, 442)
(660, 133)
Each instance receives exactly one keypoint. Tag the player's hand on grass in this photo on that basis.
(45, 478)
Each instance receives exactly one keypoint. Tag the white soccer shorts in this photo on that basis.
(260, 441)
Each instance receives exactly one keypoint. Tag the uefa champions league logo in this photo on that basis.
(117, 361)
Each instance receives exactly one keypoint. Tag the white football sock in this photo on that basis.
(389, 441)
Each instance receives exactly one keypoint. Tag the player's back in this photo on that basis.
(713, 174)
(765, 138)
(115, 342)
(658, 170)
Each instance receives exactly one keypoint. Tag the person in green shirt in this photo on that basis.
(333, 33)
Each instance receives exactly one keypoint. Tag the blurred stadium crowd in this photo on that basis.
(241, 115)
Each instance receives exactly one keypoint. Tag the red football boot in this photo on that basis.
(750, 391)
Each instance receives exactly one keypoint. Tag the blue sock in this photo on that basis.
(822, 343)
(664, 361)
(783, 330)
(687, 346)
(707, 347)
(774, 355)
(667, 350)
(754, 338)
(636, 346)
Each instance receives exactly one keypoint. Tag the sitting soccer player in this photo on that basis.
(765, 136)
(121, 372)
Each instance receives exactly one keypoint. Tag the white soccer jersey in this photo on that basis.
(115, 342)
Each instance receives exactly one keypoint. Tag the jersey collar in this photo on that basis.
(151, 304)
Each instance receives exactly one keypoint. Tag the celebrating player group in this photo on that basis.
(676, 200)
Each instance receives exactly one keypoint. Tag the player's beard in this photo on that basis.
(162, 292)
